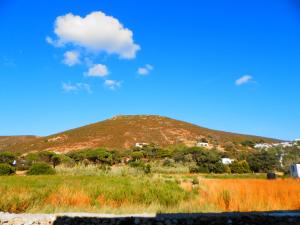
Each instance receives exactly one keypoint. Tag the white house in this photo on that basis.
(140, 145)
(295, 170)
(286, 144)
(263, 145)
(202, 144)
(226, 161)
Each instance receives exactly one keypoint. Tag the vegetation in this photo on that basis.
(6, 169)
(240, 167)
(88, 193)
(139, 194)
(251, 195)
(154, 158)
(40, 169)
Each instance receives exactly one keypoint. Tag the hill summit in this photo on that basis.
(123, 132)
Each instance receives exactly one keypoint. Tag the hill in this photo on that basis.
(6, 141)
(122, 132)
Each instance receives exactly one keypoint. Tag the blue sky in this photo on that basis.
(228, 65)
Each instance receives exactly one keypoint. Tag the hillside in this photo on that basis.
(6, 141)
(122, 132)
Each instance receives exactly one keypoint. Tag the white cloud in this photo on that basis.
(71, 58)
(98, 70)
(97, 32)
(68, 87)
(243, 80)
(145, 70)
(112, 84)
(50, 41)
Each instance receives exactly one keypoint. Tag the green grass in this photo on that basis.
(115, 194)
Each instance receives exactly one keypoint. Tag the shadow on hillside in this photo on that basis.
(263, 218)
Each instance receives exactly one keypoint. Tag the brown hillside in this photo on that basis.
(122, 132)
(6, 141)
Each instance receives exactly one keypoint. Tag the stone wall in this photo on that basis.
(192, 219)
(274, 218)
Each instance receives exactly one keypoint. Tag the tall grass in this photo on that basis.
(250, 195)
(87, 193)
(108, 193)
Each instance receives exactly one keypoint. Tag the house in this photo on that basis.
(226, 161)
(141, 145)
(202, 144)
(262, 146)
(295, 170)
(286, 144)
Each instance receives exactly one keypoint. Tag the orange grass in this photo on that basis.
(65, 196)
(251, 194)
(102, 201)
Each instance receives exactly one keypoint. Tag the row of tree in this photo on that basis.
(203, 160)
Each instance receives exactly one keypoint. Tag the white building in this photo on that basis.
(202, 144)
(141, 145)
(262, 146)
(226, 161)
(295, 170)
(286, 144)
(267, 146)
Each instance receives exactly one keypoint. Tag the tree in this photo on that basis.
(56, 160)
(137, 155)
(99, 156)
(240, 167)
(264, 161)
(208, 161)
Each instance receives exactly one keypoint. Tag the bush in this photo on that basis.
(7, 157)
(137, 155)
(40, 169)
(6, 169)
(194, 169)
(168, 162)
(240, 167)
(141, 166)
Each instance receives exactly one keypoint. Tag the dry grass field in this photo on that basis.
(130, 194)
(250, 194)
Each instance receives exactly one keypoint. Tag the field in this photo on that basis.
(128, 192)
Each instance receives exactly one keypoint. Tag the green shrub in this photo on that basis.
(240, 167)
(147, 168)
(168, 162)
(6, 169)
(137, 155)
(7, 157)
(195, 181)
(40, 169)
(141, 166)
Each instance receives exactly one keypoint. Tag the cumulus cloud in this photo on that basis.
(68, 87)
(145, 70)
(71, 58)
(98, 70)
(243, 80)
(97, 32)
(112, 84)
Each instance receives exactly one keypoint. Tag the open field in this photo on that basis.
(119, 193)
